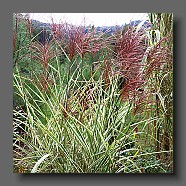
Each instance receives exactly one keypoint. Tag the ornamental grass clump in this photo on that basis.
(96, 103)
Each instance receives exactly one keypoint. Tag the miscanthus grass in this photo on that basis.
(65, 136)
(91, 106)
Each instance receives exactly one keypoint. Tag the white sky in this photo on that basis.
(98, 19)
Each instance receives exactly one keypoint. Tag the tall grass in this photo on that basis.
(94, 107)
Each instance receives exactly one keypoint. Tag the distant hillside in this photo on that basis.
(38, 24)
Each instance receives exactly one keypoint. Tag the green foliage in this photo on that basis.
(84, 105)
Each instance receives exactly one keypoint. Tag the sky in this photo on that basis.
(96, 19)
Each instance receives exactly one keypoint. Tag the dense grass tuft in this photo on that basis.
(88, 102)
